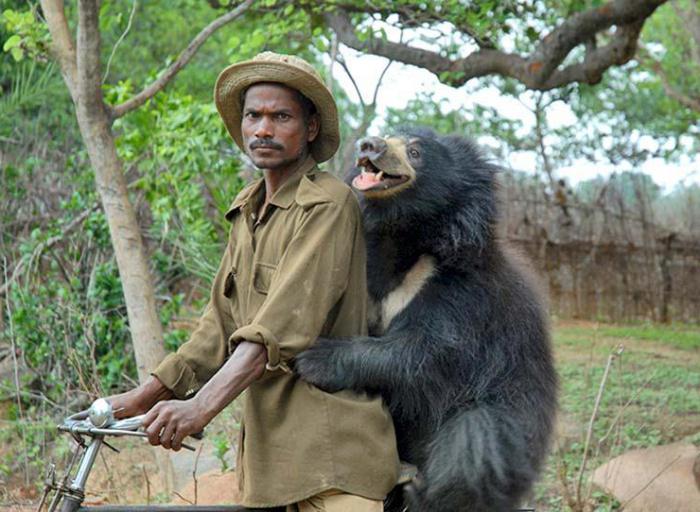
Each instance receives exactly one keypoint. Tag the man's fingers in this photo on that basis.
(167, 434)
(153, 431)
(151, 415)
(176, 442)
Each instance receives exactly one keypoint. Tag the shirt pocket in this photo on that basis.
(230, 283)
(262, 277)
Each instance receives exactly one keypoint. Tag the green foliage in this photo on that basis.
(30, 37)
(221, 447)
(668, 37)
(186, 167)
(72, 332)
(482, 123)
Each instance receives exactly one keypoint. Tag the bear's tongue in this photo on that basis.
(367, 180)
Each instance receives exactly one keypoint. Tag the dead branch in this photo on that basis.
(194, 472)
(15, 367)
(119, 41)
(189, 52)
(368, 111)
(334, 57)
(591, 423)
(43, 246)
(540, 70)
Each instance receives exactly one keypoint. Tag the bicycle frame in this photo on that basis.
(68, 494)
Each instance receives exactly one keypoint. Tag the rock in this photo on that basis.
(659, 479)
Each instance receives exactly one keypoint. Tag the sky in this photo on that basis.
(402, 83)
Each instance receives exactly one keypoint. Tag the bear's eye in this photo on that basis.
(413, 153)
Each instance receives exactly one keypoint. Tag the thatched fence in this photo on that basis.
(605, 259)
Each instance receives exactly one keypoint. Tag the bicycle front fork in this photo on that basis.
(70, 496)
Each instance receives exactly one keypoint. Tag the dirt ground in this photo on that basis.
(133, 475)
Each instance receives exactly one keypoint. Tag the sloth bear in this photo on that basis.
(459, 344)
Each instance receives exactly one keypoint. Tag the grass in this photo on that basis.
(677, 336)
(651, 398)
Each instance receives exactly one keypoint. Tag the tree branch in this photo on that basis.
(683, 99)
(690, 19)
(62, 46)
(539, 71)
(379, 83)
(344, 65)
(590, 71)
(189, 52)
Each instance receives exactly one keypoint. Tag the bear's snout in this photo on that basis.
(371, 147)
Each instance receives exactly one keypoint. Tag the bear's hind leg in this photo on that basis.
(394, 502)
(478, 461)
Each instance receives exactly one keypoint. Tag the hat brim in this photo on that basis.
(236, 78)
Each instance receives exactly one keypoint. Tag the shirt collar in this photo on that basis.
(283, 198)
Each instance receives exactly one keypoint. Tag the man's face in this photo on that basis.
(275, 133)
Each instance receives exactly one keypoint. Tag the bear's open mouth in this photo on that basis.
(373, 178)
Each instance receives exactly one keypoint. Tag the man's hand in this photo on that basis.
(140, 399)
(169, 422)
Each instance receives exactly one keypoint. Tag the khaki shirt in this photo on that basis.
(293, 275)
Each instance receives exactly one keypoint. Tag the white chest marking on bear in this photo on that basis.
(404, 293)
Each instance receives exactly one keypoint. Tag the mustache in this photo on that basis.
(265, 143)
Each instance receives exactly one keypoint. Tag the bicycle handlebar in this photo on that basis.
(125, 427)
(98, 420)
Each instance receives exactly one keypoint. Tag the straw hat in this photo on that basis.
(288, 70)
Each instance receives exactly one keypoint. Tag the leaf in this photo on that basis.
(12, 42)
(17, 53)
(532, 33)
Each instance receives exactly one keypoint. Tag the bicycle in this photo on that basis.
(89, 430)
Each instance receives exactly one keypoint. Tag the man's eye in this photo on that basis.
(283, 117)
(251, 115)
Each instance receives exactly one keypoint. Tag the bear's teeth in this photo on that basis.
(380, 175)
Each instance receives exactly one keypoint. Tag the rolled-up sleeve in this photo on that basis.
(308, 282)
(196, 361)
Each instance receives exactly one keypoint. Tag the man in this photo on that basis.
(293, 270)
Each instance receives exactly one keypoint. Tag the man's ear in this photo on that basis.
(313, 127)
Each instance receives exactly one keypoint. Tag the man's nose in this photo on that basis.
(371, 147)
(264, 128)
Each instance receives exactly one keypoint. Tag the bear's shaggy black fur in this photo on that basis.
(465, 365)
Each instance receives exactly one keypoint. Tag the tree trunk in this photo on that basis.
(95, 127)
(81, 70)
(144, 324)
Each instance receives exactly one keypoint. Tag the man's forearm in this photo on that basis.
(140, 399)
(246, 364)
